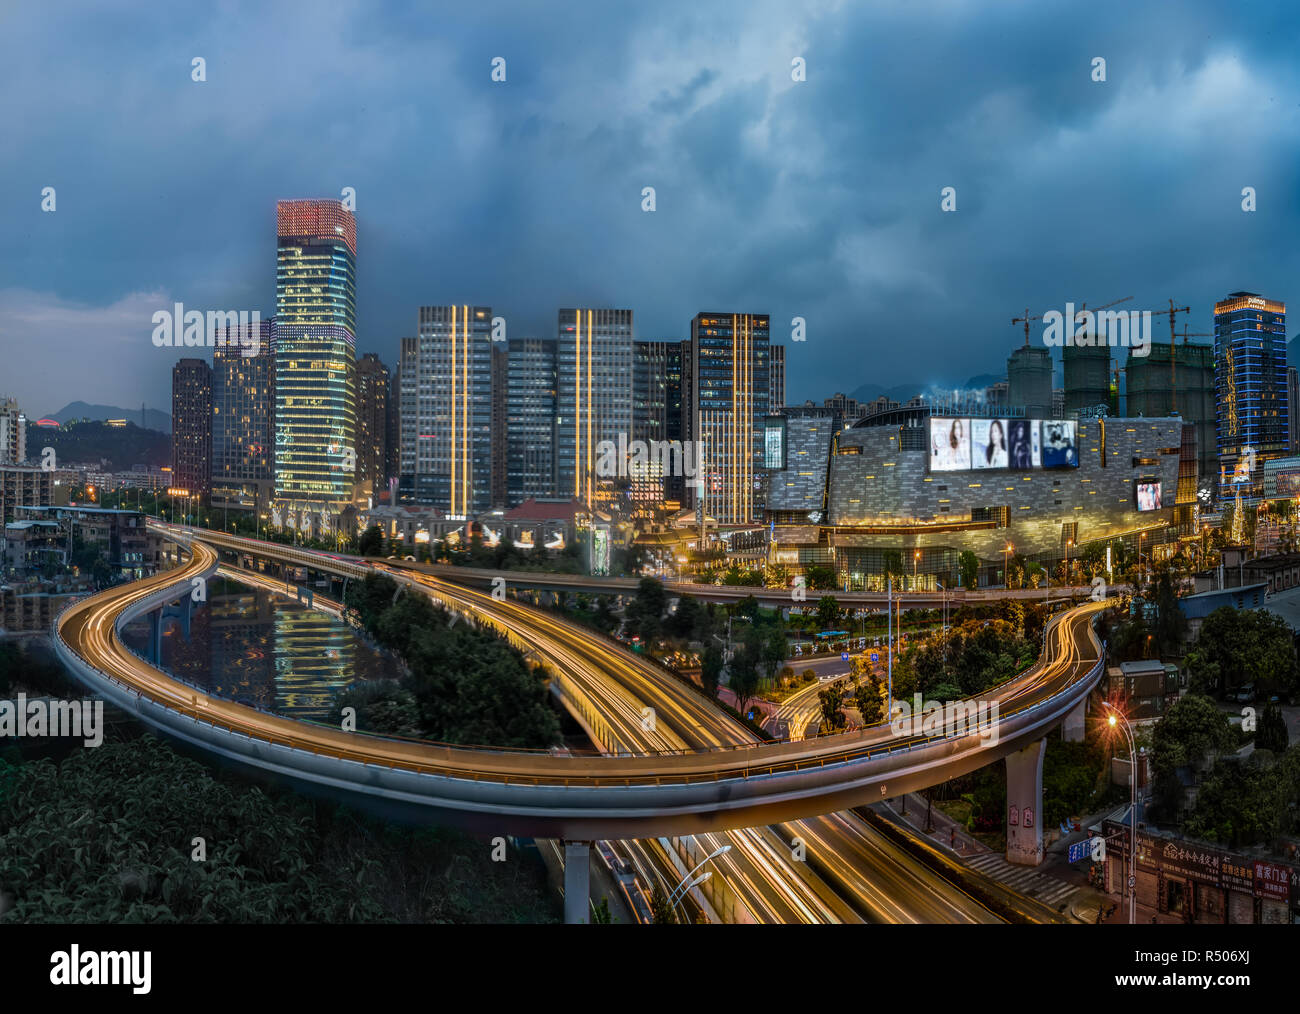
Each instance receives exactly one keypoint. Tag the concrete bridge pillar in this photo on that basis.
(577, 881)
(1025, 804)
(155, 637)
(1072, 727)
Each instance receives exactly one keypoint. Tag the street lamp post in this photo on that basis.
(1116, 717)
(916, 559)
(1006, 566)
(686, 883)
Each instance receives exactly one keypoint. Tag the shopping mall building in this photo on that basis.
(929, 487)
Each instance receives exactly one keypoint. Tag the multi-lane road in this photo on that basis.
(710, 748)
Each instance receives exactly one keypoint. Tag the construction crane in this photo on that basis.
(1069, 323)
(1026, 319)
(1173, 313)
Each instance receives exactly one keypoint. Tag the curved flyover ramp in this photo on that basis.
(542, 794)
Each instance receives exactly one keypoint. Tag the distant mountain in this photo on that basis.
(905, 392)
(120, 446)
(153, 418)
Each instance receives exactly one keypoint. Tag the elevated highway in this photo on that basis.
(538, 793)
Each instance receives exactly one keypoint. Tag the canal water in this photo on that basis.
(261, 649)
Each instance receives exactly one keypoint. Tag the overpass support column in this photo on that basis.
(1025, 804)
(577, 881)
(155, 636)
(1072, 727)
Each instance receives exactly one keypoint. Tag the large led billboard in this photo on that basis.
(949, 444)
(774, 444)
(1148, 496)
(1023, 449)
(988, 443)
(1059, 450)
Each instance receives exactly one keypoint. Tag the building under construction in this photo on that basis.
(1157, 389)
(1029, 381)
(1087, 378)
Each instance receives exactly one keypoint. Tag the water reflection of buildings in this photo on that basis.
(264, 651)
(314, 659)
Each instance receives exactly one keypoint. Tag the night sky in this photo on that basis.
(818, 198)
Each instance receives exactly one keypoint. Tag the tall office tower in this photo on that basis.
(192, 426)
(1158, 388)
(657, 414)
(776, 378)
(530, 419)
(730, 360)
(373, 384)
(315, 353)
(1087, 377)
(1293, 403)
(1250, 391)
(243, 417)
(446, 409)
(1029, 381)
(393, 445)
(593, 398)
(13, 433)
(500, 432)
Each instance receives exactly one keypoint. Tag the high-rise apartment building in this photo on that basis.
(446, 409)
(776, 378)
(500, 431)
(1292, 401)
(1158, 387)
(657, 415)
(192, 427)
(315, 351)
(593, 398)
(530, 419)
(243, 418)
(373, 384)
(729, 390)
(1252, 416)
(13, 433)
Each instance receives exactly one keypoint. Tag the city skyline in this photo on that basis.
(786, 200)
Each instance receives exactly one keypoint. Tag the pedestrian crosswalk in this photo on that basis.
(1025, 879)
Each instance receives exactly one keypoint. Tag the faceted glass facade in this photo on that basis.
(315, 352)
(1250, 391)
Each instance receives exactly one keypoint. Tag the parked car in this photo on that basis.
(1246, 694)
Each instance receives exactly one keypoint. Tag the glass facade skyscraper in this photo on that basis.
(530, 419)
(446, 409)
(243, 418)
(594, 366)
(1252, 414)
(729, 391)
(315, 353)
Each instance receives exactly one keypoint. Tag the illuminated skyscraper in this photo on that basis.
(372, 425)
(1250, 391)
(729, 392)
(243, 418)
(192, 427)
(530, 419)
(446, 409)
(594, 368)
(315, 352)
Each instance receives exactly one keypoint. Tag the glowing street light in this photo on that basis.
(1113, 720)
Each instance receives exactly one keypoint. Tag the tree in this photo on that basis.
(371, 541)
(711, 668)
(1190, 730)
(1238, 646)
(828, 612)
(1272, 734)
(745, 660)
(832, 700)
(600, 913)
(821, 578)
(774, 649)
(660, 910)
(776, 575)
(892, 563)
(969, 566)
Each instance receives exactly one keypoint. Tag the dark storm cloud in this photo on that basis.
(818, 199)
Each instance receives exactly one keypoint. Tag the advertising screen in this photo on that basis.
(774, 444)
(1023, 449)
(1148, 496)
(1059, 450)
(988, 443)
(949, 444)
